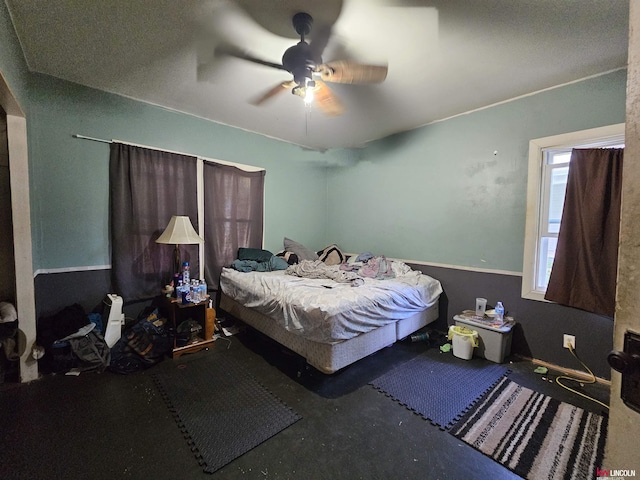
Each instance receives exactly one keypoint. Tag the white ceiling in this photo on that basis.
(445, 57)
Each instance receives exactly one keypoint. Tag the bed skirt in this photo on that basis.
(329, 358)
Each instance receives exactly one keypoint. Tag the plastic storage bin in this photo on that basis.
(464, 340)
(494, 342)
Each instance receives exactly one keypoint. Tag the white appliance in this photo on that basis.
(115, 320)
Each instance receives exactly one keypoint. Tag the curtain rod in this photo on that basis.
(241, 166)
(101, 140)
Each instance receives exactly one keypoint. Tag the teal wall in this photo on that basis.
(70, 176)
(454, 192)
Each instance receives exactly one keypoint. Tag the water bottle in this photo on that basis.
(203, 290)
(499, 312)
(186, 277)
(195, 291)
(189, 287)
(198, 290)
(185, 293)
(420, 337)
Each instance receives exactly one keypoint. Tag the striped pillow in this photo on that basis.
(331, 255)
(290, 257)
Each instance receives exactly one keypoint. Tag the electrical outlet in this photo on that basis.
(569, 340)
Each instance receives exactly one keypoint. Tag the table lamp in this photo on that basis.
(179, 231)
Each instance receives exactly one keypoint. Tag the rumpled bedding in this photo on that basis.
(372, 267)
(327, 311)
(319, 269)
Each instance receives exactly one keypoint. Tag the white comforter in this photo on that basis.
(326, 311)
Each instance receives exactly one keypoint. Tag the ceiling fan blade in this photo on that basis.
(345, 71)
(281, 87)
(326, 100)
(233, 52)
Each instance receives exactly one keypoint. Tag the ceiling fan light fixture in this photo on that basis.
(304, 60)
(306, 92)
(308, 95)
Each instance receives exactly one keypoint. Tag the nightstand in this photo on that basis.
(188, 337)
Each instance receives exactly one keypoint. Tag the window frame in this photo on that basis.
(536, 187)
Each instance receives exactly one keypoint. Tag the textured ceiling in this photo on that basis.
(445, 57)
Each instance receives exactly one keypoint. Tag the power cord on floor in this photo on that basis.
(592, 380)
(228, 340)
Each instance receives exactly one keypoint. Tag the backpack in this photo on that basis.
(53, 327)
(90, 348)
(143, 345)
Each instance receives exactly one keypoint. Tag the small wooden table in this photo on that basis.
(179, 313)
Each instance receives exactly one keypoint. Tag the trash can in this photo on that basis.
(464, 340)
(494, 341)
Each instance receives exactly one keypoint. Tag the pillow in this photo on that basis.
(289, 257)
(331, 255)
(255, 254)
(300, 250)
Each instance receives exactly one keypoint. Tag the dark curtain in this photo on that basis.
(233, 205)
(147, 187)
(585, 266)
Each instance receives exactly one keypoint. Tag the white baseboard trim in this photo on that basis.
(452, 267)
(461, 267)
(565, 371)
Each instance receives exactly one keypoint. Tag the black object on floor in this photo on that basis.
(440, 388)
(534, 435)
(221, 409)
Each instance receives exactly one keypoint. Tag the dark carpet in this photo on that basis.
(440, 388)
(221, 409)
(534, 435)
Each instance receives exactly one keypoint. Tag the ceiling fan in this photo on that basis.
(310, 74)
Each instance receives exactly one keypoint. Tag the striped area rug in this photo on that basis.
(534, 435)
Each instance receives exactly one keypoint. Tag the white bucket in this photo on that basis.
(462, 347)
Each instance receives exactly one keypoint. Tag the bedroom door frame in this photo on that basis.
(21, 217)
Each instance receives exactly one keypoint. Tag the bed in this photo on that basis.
(335, 317)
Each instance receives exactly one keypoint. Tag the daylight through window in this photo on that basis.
(549, 160)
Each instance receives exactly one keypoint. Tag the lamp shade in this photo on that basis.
(179, 231)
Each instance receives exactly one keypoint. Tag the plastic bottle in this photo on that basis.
(186, 276)
(189, 288)
(195, 291)
(420, 337)
(185, 293)
(204, 290)
(499, 312)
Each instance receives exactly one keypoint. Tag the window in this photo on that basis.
(548, 168)
(148, 186)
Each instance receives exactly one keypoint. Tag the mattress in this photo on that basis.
(326, 311)
(329, 358)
